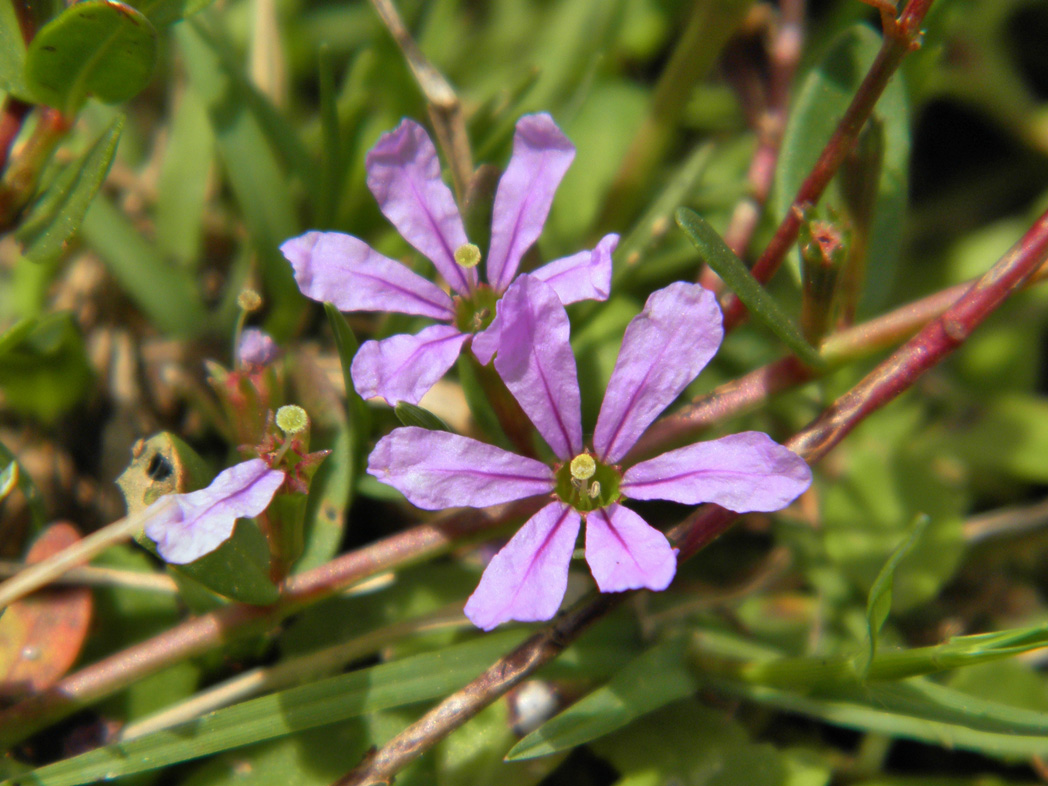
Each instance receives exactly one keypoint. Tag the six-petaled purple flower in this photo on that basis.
(404, 175)
(185, 527)
(663, 350)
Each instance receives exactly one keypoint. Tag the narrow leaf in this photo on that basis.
(715, 252)
(347, 345)
(166, 294)
(100, 48)
(652, 680)
(12, 54)
(414, 415)
(879, 602)
(57, 215)
(406, 681)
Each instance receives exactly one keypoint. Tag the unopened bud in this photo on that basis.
(249, 300)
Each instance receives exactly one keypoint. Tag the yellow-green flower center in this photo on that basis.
(467, 255)
(474, 312)
(587, 484)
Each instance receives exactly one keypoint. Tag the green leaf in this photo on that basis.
(715, 253)
(165, 293)
(12, 54)
(100, 48)
(821, 102)
(414, 415)
(238, 569)
(347, 345)
(60, 210)
(1008, 437)
(406, 681)
(25, 485)
(166, 12)
(879, 603)
(256, 176)
(652, 680)
(45, 371)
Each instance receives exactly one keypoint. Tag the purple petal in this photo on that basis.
(199, 522)
(404, 368)
(541, 156)
(336, 268)
(437, 469)
(486, 342)
(536, 362)
(665, 347)
(256, 348)
(582, 276)
(741, 472)
(624, 553)
(527, 579)
(404, 175)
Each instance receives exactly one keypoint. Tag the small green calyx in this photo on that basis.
(586, 484)
(473, 313)
(467, 255)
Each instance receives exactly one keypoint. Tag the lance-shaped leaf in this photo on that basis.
(736, 275)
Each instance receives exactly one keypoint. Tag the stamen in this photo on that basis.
(467, 255)
(594, 490)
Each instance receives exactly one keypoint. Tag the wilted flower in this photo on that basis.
(404, 175)
(663, 350)
(185, 527)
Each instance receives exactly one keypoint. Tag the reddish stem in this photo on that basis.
(11, 118)
(899, 38)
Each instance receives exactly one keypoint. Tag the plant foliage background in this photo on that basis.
(886, 629)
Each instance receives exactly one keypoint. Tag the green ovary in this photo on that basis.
(586, 484)
(473, 313)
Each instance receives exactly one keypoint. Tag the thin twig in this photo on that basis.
(887, 381)
(43, 573)
(1007, 522)
(445, 109)
(88, 576)
(900, 37)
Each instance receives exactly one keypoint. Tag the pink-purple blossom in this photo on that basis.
(256, 348)
(663, 350)
(404, 176)
(185, 527)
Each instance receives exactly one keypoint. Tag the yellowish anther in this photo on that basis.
(594, 490)
(467, 255)
(583, 466)
(292, 419)
(249, 300)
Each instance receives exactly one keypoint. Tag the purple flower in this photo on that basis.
(256, 348)
(404, 175)
(663, 350)
(199, 522)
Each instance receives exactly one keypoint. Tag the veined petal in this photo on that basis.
(404, 368)
(582, 276)
(333, 267)
(541, 156)
(527, 579)
(665, 347)
(199, 522)
(536, 362)
(437, 469)
(741, 472)
(625, 553)
(404, 175)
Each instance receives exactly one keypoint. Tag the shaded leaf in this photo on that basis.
(25, 485)
(414, 415)
(652, 680)
(715, 253)
(100, 48)
(165, 12)
(58, 213)
(44, 372)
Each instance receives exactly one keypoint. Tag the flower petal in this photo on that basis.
(333, 267)
(438, 469)
(741, 472)
(541, 156)
(664, 349)
(404, 368)
(582, 276)
(199, 522)
(536, 362)
(404, 175)
(527, 579)
(625, 553)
